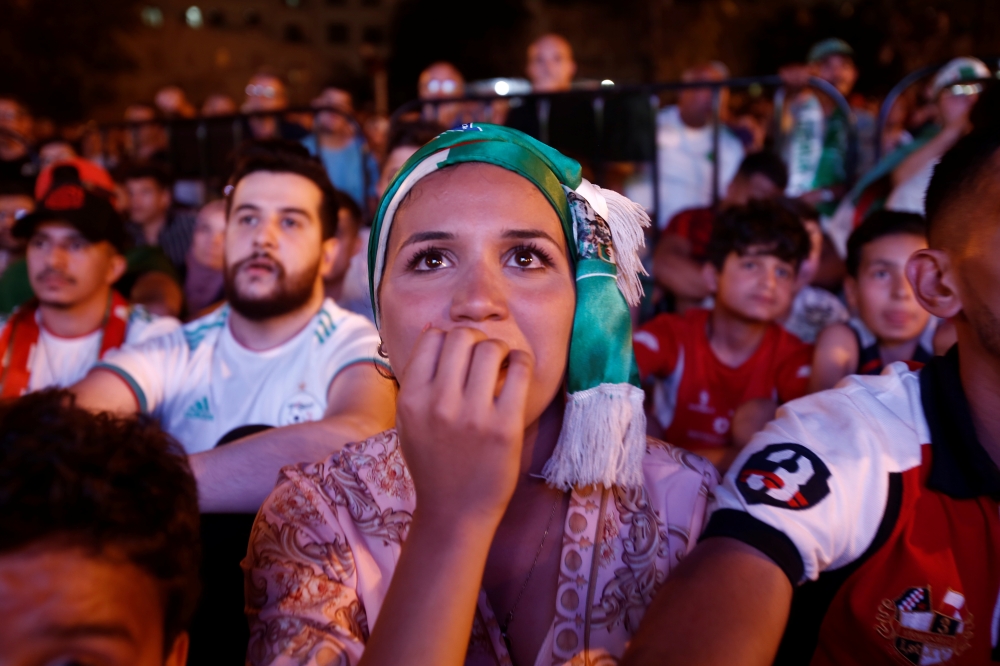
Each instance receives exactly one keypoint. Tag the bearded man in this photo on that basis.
(278, 354)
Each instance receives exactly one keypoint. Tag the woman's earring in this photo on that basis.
(381, 350)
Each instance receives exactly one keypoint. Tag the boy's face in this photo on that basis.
(64, 606)
(881, 294)
(756, 285)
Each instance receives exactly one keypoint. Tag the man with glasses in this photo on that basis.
(266, 93)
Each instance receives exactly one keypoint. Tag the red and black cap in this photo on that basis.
(74, 202)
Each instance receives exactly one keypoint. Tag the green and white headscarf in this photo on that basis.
(603, 436)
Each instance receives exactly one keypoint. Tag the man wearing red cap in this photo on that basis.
(75, 244)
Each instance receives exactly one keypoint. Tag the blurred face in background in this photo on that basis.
(209, 241)
(695, 104)
(144, 140)
(393, 162)
(441, 81)
(265, 93)
(550, 64)
(218, 105)
(334, 123)
(838, 70)
(65, 269)
(15, 119)
(148, 201)
(55, 151)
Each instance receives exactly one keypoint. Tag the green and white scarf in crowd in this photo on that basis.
(603, 436)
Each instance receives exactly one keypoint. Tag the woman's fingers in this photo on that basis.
(453, 363)
(488, 359)
(423, 359)
(514, 394)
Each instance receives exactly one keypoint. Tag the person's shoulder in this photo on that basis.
(838, 334)
(666, 325)
(669, 116)
(861, 416)
(335, 322)
(144, 325)
(205, 328)
(371, 471)
(666, 463)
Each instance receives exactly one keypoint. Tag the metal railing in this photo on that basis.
(227, 133)
(599, 96)
(899, 89)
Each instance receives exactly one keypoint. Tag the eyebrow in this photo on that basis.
(250, 206)
(422, 236)
(522, 234)
(95, 630)
(529, 234)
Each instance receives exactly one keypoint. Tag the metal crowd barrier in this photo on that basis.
(901, 87)
(600, 95)
(225, 132)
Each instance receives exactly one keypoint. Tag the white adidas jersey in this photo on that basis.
(201, 383)
(58, 362)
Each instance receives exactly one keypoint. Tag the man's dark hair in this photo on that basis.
(878, 225)
(766, 164)
(148, 170)
(961, 187)
(412, 133)
(764, 225)
(116, 487)
(280, 156)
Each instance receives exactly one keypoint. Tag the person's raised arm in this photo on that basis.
(955, 120)
(725, 603)
(835, 357)
(105, 391)
(462, 443)
(676, 271)
(237, 477)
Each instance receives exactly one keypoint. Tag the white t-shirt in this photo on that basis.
(58, 362)
(201, 383)
(685, 163)
(908, 197)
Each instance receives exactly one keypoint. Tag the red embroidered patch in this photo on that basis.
(67, 197)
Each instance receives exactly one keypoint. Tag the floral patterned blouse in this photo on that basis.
(326, 542)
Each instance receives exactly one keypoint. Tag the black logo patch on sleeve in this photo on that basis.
(789, 476)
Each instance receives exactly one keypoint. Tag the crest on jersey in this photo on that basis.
(921, 633)
(789, 476)
(300, 408)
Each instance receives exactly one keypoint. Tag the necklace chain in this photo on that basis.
(524, 586)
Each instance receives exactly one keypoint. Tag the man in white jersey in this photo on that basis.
(277, 354)
(74, 256)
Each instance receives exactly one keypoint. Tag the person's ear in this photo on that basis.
(711, 275)
(178, 654)
(328, 255)
(851, 293)
(933, 281)
(117, 267)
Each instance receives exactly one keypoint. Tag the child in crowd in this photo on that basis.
(888, 324)
(719, 373)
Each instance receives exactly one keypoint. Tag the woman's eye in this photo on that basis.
(430, 261)
(247, 219)
(524, 259)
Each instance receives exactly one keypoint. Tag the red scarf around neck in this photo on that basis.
(19, 337)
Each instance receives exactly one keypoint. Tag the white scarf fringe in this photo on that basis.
(603, 439)
(626, 219)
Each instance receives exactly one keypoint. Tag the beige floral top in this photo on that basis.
(326, 541)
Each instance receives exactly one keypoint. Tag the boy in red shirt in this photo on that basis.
(718, 375)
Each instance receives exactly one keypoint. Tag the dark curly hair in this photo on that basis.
(763, 224)
(72, 478)
(280, 156)
(878, 224)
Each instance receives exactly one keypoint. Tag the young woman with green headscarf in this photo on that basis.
(517, 514)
